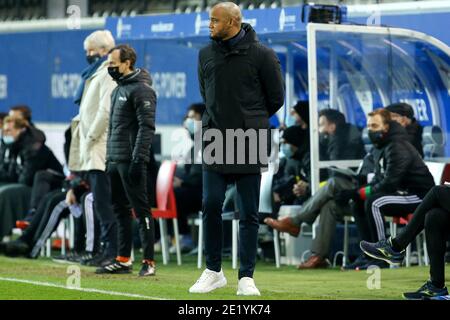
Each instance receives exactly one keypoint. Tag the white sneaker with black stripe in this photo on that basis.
(116, 267)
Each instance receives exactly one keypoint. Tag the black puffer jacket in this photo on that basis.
(399, 166)
(242, 87)
(415, 131)
(20, 161)
(345, 144)
(132, 119)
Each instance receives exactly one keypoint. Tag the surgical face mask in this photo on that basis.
(115, 73)
(93, 58)
(189, 124)
(376, 137)
(290, 121)
(287, 150)
(8, 140)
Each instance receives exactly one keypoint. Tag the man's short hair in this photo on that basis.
(197, 108)
(24, 110)
(17, 122)
(333, 116)
(383, 113)
(126, 53)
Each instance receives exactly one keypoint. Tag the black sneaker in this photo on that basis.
(116, 267)
(71, 257)
(85, 256)
(106, 260)
(3, 247)
(147, 269)
(382, 250)
(360, 261)
(17, 248)
(93, 261)
(427, 291)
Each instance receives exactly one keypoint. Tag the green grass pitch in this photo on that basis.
(44, 279)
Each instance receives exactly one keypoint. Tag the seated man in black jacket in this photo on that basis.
(21, 156)
(339, 140)
(401, 180)
(403, 113)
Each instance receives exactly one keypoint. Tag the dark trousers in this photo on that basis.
(370, 221)
(323, 204)
(44, 181)
(433, 214)
(101, 190)
(87, 227)
(41, 217)
(127, 195)
(45, 220)
(247, 187)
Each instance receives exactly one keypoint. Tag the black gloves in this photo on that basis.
(344, 196)
(134, 172)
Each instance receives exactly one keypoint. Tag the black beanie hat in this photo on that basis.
(302, 109)
(294, 135)
(402, 109)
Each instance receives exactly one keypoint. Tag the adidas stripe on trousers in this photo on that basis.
(370, 216)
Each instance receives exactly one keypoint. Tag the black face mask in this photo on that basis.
(93, 58)
(376, 137)
(114, 73)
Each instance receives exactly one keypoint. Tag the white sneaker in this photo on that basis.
(247, 287)
(209, 281)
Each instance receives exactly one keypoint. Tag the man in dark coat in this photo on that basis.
(339, 140)
(22, 155)
(130, 135)
(242, 86)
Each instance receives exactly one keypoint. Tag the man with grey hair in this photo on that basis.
(94, 98)
(242, 86)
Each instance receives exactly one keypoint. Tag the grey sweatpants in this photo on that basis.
(323, 204)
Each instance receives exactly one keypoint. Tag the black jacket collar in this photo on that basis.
(243, 44)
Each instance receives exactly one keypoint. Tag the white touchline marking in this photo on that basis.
(91, 290)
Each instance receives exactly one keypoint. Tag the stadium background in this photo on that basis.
(41, 60)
